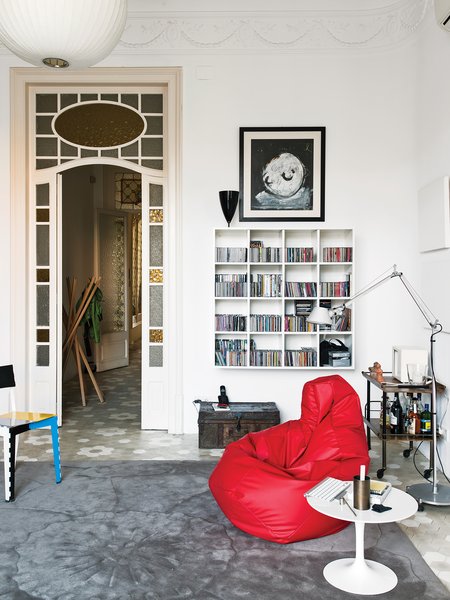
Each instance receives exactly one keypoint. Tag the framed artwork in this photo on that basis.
(282, 174)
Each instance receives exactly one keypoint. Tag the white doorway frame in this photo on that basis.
(24, 79)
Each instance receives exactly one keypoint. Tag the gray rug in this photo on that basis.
(151, 530)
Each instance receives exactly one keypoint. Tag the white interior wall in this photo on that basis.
(364, 99)
(364, 102)
(433, 142)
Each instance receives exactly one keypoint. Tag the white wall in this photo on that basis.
(364, 99)
(433, 141)
(364, 102)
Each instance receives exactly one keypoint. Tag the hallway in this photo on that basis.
(109, 431)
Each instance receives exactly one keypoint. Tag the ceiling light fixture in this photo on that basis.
(62, 34)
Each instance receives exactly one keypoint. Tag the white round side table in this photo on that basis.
(358, 575)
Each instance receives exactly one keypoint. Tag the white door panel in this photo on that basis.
(112, 267)
(113, 350)
(155, 275)
(42, 293)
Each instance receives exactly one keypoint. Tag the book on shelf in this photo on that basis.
(343, 322)
(337, 254)
(231, 255)
(231, 285)
(265, 285)
(295, 289)
(231, 353)
(303, 307)
(266, 358)
(231, 322)
(265, 323)
(265, 255)
(299, 255)
(303, 357)
(335, 289)
(298, 323)
(340, 322)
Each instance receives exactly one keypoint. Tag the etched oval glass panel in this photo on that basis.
(99, 125)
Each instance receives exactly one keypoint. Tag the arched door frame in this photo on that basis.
(22, 79)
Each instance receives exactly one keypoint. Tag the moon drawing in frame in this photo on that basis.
(282, 174)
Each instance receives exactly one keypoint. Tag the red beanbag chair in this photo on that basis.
(260, 480)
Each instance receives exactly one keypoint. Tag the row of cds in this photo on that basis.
(234, 285)
(299, 255)
(300, 289)
(296, 323)
(259, 254)
(264, 323)
(231, 254)
(305, 357)
(231, 285)
(230, 322)
(265, 255)
(337, 254)
(232, 353)
(266, 358)
(265, 286)
(335, 289)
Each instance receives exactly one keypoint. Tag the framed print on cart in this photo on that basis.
(282, 173)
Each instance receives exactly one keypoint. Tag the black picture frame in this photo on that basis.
(282, 173)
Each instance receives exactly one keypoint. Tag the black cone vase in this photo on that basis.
(228, 202)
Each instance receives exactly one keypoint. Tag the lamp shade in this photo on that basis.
(320, 316)
(228, 201)
(62, 33)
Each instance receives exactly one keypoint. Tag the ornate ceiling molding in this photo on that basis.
(262, 31)
(268, 31)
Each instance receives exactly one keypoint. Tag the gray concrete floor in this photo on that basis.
(111, 431)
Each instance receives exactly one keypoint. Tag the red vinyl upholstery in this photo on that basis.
(260, 480)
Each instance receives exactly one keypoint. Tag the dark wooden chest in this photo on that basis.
(216, 429)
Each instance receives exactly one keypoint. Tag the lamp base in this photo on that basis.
(423, 493)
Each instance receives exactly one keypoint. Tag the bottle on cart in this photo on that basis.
(406, 412)
(387, 413)
(413, 418)
(419, 409)
(425, 420)
(419, 404)
(396, 416)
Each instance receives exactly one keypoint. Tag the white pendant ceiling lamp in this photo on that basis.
(62, 33)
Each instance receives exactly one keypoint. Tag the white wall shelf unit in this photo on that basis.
(266, 283)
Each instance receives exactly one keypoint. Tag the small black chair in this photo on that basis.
(14, 422)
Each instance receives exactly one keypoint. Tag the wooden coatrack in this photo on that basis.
(72, 319)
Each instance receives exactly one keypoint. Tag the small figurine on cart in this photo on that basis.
(376, 372)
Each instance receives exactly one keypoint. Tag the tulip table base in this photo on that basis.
(358, 575)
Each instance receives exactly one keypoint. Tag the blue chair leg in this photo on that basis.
(56, 450)
(53, 422)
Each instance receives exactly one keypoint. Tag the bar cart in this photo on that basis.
(392, 386)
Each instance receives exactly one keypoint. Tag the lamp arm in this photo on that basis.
(426, 312)
(371, 286)
(438, 495)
